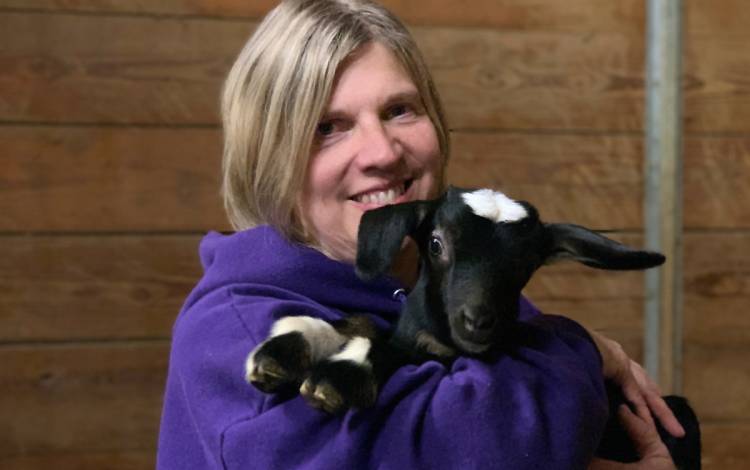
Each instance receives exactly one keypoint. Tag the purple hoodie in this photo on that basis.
(541, 407)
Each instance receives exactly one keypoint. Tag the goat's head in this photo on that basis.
(478, 250)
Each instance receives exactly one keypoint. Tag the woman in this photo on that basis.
(330, 111)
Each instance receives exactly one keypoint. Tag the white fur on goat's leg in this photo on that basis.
(343, 380)
(494, 205)
(356, 350)
(322, 338)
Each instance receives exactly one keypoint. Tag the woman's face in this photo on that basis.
(375, 145)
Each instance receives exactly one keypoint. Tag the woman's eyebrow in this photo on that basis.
(410, 96)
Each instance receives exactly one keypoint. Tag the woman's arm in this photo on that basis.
(651, 449)
(636, 385)
(541, 406)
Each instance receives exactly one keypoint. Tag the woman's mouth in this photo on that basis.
(381, 197)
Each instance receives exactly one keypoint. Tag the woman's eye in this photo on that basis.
(325, 128)
(398, 110)
(435, 246)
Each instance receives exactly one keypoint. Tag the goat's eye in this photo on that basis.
(435, 246)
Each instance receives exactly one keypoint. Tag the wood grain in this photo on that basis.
(114, 179)
(717, 327)
(119, 179)
(519, 72)
(98, 398)
(506, 14)
(93, 69)
(110, 179)
(597, 180)
(93, 399)
(548, 80)
(69, 68)
(715, 176)
(715, 65)
(83, 460)
(85, 287)
(725, 445)
(130, 286)
(589, 180)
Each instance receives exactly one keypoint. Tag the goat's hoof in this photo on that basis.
(278, 363)
(267, 375)
(335, 386)
(322, 396)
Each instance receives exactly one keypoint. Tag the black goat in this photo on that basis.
(478, 249)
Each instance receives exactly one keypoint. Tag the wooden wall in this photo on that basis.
(109, 157)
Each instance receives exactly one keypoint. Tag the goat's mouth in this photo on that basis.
(473, 341)
(469, 345)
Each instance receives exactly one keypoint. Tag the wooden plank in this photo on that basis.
(51, 64)
(92, 400)
(83, 287)
(99, 179)
(717, 330)
(725, 445)
(120, 179)
(597, 180)
(68, 68)
(84, 460)
(114, 179)
(529, 74)
(81, 398)
(715, 64)
(716, 378)
(590, 180)
(715, 187)
(519, 80)
(508, 14)
(716, 18)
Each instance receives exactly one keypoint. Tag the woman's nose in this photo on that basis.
(378, 148)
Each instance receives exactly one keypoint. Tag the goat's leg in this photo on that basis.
(343, 380)
(352, 377)
(295, 344)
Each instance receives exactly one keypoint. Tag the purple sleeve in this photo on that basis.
(542, 406)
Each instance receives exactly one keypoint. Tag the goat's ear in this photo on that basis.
(381, 233)
(592, 249)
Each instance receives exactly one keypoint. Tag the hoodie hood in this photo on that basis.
(262, 256)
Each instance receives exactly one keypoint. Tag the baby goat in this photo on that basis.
(478, 250)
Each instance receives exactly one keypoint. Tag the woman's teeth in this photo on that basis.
(381, 197)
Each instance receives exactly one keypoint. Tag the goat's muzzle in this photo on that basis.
(473, 329)
(477, 322)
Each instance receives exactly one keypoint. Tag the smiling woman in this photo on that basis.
(278, 110)
(375, 146)
(329, 111)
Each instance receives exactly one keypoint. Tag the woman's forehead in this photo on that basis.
(374, 73)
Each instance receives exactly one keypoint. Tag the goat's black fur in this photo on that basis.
(466, 300)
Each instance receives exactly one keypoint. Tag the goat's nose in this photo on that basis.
(477, 321)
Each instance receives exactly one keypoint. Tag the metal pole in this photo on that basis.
(663, 193)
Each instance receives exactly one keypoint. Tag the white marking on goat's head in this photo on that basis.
(494, 205)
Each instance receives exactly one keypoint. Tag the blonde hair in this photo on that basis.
(277, 91)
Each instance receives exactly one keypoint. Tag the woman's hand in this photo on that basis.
(636, 385)
(654, 454)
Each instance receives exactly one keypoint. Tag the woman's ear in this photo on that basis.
(568, 241)
(381, 232)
